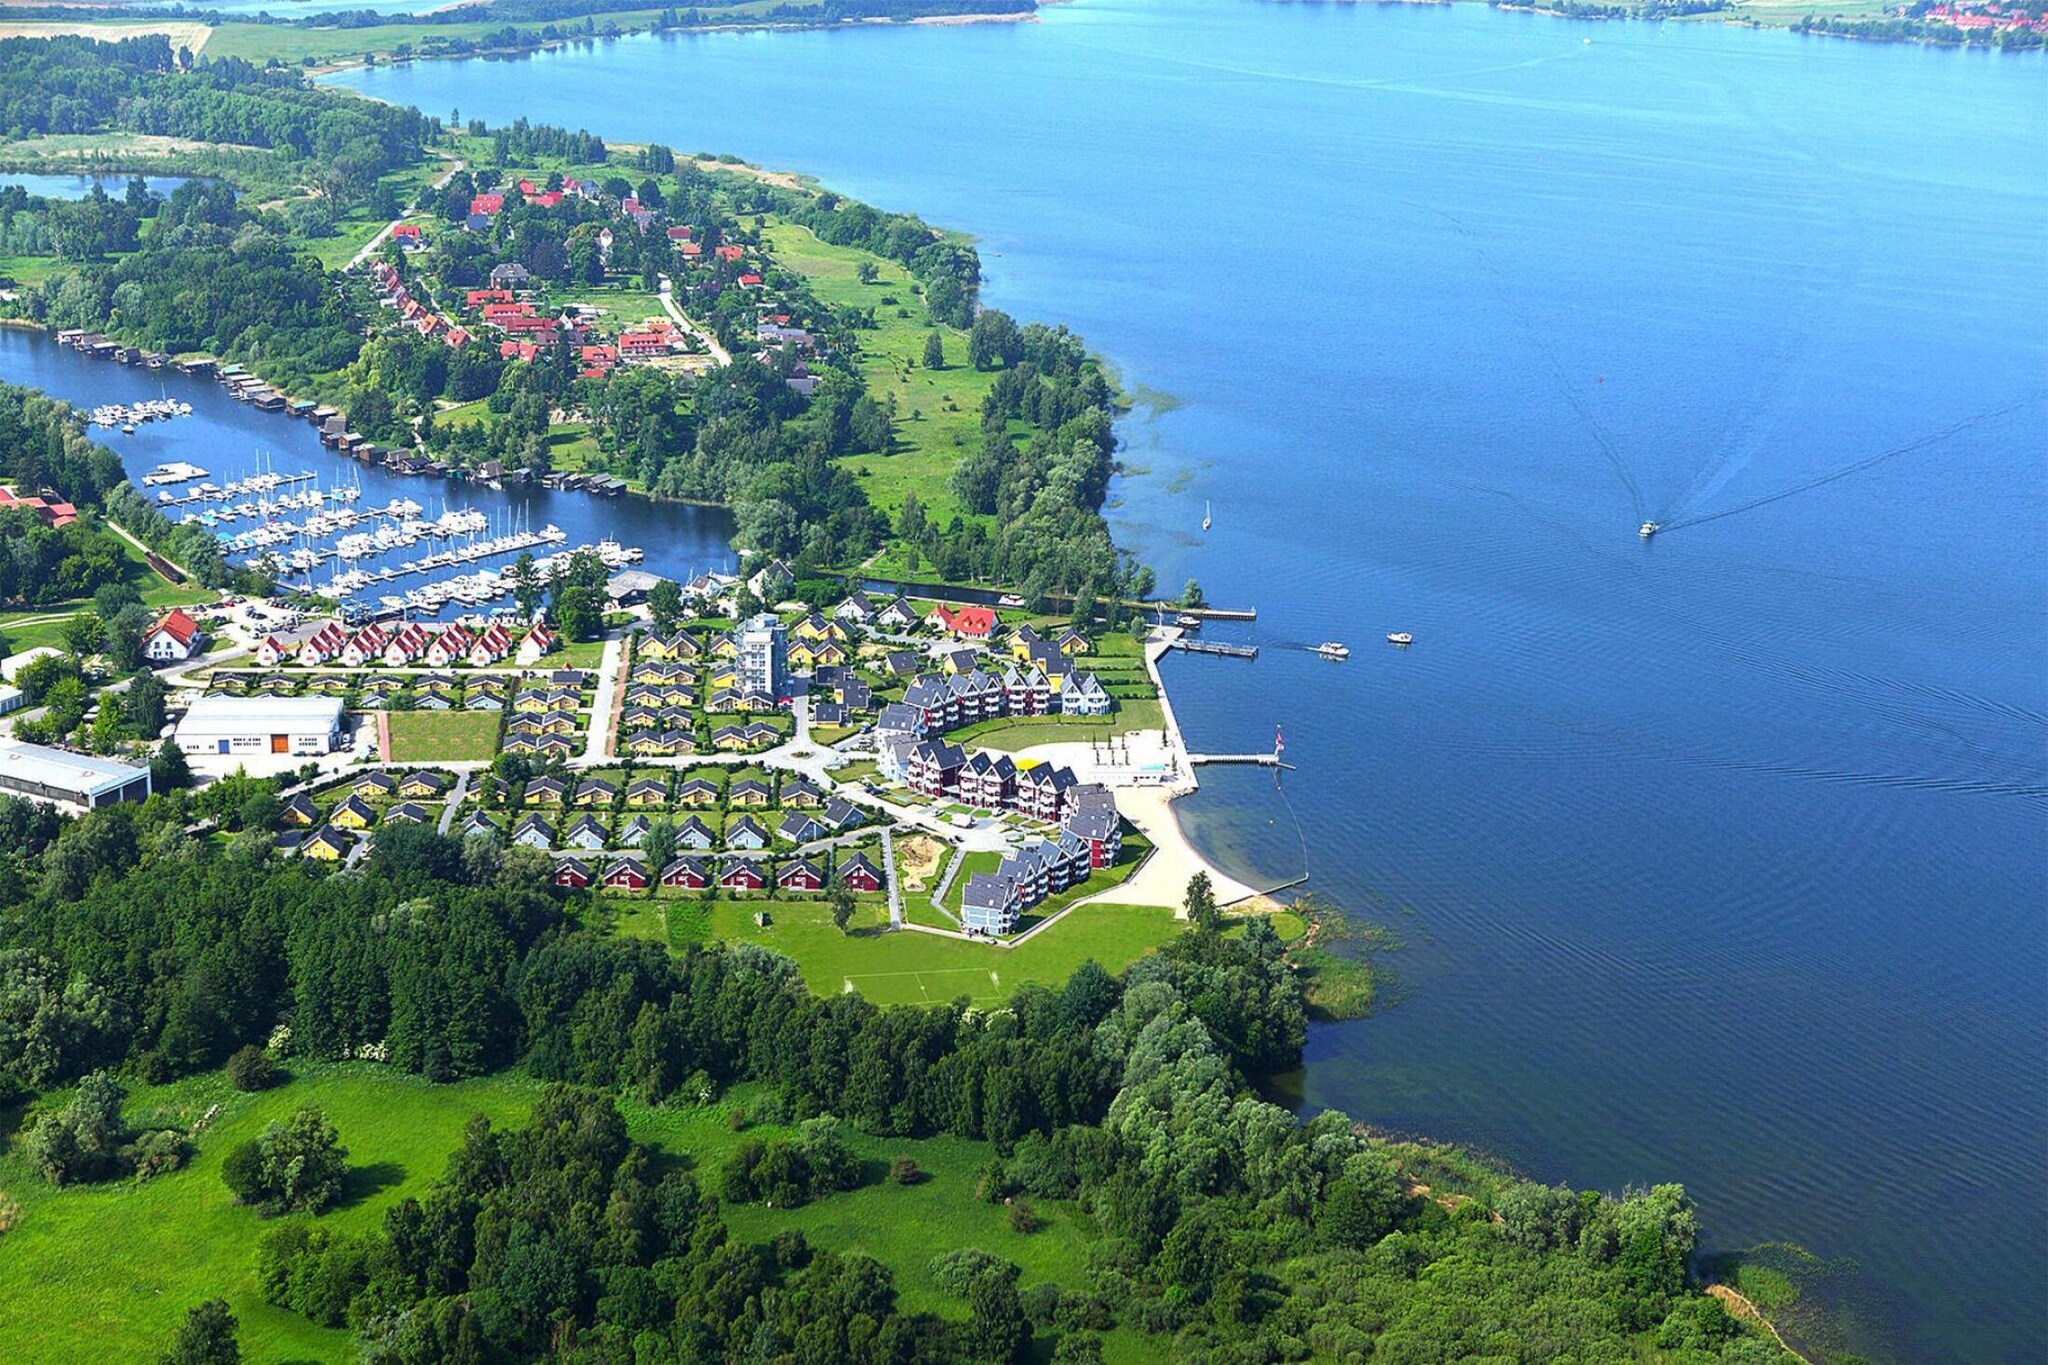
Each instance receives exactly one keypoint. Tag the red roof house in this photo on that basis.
(173, 639)
(973, 623)
(487, 204)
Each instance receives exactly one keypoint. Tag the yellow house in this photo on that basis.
(699, 792)
(326, 845)
(352, 814)
(817, 627)
(1072, 642)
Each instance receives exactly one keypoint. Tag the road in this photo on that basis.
(677, 316)
(370, 248)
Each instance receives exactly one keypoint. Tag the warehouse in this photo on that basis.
(74, 779)
(262, 725)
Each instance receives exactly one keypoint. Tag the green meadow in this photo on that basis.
(105, 1272)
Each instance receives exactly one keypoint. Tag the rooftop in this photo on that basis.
(62, 770)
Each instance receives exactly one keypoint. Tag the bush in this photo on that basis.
(296, 1166)
(904, 1171)
(251, 1069)
(158, 1153)
(1023, 1218)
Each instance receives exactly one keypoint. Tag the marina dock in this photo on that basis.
(1188, 646)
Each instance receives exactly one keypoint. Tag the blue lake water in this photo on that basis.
(79, 186)
(1720, 856)
(231, 440)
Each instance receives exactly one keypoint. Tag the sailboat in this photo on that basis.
(1208, 510)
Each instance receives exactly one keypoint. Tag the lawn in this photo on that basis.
(1012, 735)
(110, 1269)
(34, 627)
(443, 736)
(910, 968)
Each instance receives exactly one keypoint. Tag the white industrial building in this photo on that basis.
(262, 725)
(48, 774)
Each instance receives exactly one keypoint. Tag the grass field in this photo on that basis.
(105, 1272)
(38, 626)
(110, 1269)
(443, 736)
(938, 412)
(1024, 732)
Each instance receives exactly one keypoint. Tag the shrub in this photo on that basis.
(158, 1153)
(1023, 1218)
(904, 1171)
(251, 1069)
(296, 1166)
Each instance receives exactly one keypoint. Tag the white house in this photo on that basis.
(174, 639)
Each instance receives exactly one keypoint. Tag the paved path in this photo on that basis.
(946, 883)
(889, 879)
(370, 247)
(604, 711)
(455, 795)
(680, 319)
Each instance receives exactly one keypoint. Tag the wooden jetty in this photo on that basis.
(1188, 646)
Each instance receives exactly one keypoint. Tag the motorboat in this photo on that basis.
(1330, 649)
(1400, 637)
(1647, 529)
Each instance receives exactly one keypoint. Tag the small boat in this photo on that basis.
(128, 428)
(1400, 637)
(1647, 529)
(1187, 622)
(1330, 649)
(1208, 515)
(1009, 599)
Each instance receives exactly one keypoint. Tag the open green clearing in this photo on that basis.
(1023, 733)
(36, 627)
(112, 1268)
(938, 412)
(904, 967)
(105, 1272)
(443, 736)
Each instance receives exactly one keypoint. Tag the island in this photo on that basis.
(799, 960)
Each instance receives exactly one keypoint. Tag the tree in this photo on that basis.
(251, 1069)
(934, 352)
(82, 1140)
(576, 613)
(665, 605)
(527, 589)
(168, 770)
(658, 845)
(84, 633)
(1201, 903)
(206, 1337)
(297, 1166)
(841, 901)
(1191, 595)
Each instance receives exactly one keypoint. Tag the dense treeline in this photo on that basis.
(77, 85)
(211, 276)
(1912, 27)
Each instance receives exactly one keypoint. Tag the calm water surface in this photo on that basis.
(231, 440)
(1721, 857)
(79, 186)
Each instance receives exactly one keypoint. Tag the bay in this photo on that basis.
(1720, 855)
(232, 440)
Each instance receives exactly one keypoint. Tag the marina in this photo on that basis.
(366, 538)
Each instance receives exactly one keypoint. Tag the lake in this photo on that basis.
(1720, 856)
(45, 186)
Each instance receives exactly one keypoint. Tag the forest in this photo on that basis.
(1228, 1229)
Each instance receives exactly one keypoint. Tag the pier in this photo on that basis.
(1213, 647)
(1244, 760)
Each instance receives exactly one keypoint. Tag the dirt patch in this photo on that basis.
(780, 179)
(918, 860)
(1739, 1305)
(189, 35)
